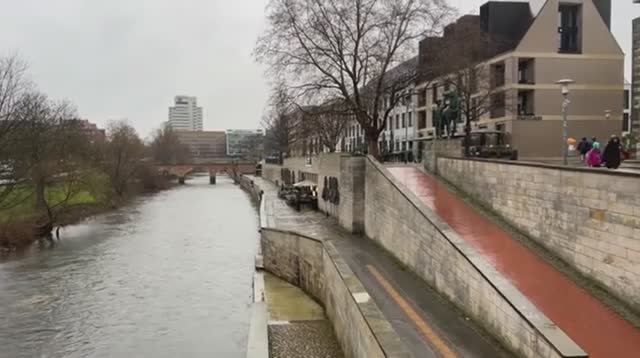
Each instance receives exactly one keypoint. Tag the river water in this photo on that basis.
(168, 276)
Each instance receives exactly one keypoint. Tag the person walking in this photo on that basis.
(594, 158)
(612, 156)
(583, 148)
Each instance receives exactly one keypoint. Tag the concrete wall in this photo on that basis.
(445, 147)
(404, 226)
(350, 173)
(317, 268)
(590, 218)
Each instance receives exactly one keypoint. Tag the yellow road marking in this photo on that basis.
(424, 328)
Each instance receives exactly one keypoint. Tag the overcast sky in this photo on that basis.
(129, 58)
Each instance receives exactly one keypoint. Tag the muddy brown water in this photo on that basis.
(169, 275)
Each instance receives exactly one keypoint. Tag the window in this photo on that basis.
(404, 146)
(397, 121)
(404, 121)
(410, 120)
(568, 28)
(434, 93)
(626, 99)
(625, 123)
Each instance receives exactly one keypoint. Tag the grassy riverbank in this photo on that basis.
(19, 222)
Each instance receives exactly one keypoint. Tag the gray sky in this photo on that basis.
(129, 58)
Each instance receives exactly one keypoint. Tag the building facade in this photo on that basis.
(205, 146)
(527, 55)
(245, 142)
(635, 78)
(185, 115)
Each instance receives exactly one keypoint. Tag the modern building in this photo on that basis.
(523, 55)
(245, 142)
(205, 146)
(635, 77)
(185, 115)
(626, 117)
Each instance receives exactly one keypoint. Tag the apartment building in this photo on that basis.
(185, 115)
(523, 56)
(635, 80)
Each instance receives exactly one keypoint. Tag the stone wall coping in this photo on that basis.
(387, 338)
(547, 166)
(562, 343)
(383, 332)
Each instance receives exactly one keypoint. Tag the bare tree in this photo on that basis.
(166, 148)
(329, 123)
(50, 146)
(13, 84)
(282, 124)
(328, 48)
(123, 153)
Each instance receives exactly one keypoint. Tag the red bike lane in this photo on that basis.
(595, 328)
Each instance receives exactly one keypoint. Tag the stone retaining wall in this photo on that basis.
(443, 147)
(407, 228)
(590, 218)
(349, 170)
(316, 267)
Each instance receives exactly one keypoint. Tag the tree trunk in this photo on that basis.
(467, 138)
(40, 203)
(372, 147)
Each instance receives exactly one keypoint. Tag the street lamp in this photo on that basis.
(564, 86)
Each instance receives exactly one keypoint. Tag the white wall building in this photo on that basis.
(185, 115)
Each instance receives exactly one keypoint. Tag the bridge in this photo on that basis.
(181, 171)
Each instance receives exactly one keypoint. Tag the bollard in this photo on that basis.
(181, 180)
(212, 179)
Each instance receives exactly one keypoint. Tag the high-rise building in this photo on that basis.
(185, 115)
(635, 78)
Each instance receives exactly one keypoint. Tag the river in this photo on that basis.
(168, 276)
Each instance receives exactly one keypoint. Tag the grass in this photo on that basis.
(24, 209)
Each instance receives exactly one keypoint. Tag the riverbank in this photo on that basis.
(19, 225)
(164, 276)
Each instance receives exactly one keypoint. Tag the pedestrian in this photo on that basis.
(594, 159)
(584, 147)
(612, 156)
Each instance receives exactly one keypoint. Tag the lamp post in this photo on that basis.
(564, 86)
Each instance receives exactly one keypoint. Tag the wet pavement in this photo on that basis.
(297, 325)
(594, 327)
(428, 324)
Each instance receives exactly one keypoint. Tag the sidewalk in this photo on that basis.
(595, 328)
(428, 325)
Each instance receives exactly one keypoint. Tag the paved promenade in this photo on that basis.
(598, 330)
(427, 324)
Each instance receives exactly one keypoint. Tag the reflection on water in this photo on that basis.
(168, 276)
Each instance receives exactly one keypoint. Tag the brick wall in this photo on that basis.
(404, 226)
(590, 218)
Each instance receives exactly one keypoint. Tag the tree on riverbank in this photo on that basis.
(345, 49)
(167, 149)
(122, 156)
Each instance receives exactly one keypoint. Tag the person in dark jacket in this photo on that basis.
(612, 156)
(583, 148)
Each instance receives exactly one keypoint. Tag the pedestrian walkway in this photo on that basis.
(428, 325)
(594, 327)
